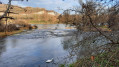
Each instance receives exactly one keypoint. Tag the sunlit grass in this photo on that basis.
(41, 22)
(3, 34)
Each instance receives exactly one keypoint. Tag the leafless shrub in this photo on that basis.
(12, 27)
(1, 27)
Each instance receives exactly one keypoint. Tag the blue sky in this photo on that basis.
(48, 4)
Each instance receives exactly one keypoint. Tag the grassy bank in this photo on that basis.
(106, 59)
(42, 22)
(4, 34)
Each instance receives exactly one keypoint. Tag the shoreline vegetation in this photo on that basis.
(11, 29)
(106, 59)
(92, 16)
(4, 34)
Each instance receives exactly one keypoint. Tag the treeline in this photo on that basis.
(93, 14)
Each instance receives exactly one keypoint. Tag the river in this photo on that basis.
(33, 47)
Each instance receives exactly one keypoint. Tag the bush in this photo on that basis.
(12, 27)
(35, 27)
(2, 27)
(30, 27)
(22, 23)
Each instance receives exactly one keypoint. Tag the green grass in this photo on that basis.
(105, 59)
(62, 65)
(109, 59)
(69, 65)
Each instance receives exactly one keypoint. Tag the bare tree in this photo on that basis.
(7, 12)
(91, 13)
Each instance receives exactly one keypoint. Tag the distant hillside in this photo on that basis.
(31, 15)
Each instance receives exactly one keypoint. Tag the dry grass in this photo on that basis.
(4, 34)
(35, 19)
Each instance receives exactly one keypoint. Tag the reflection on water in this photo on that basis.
(2, 46)
(33, 48)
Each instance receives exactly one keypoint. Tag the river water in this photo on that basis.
(32, 48)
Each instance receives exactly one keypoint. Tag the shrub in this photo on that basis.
(2, 27)
(12, 27)
(21, 23)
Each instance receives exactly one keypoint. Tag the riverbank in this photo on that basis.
(42, 22)
(95, 50)
(102, 28)
(4, 34)
(106, 59)
(109, 58)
